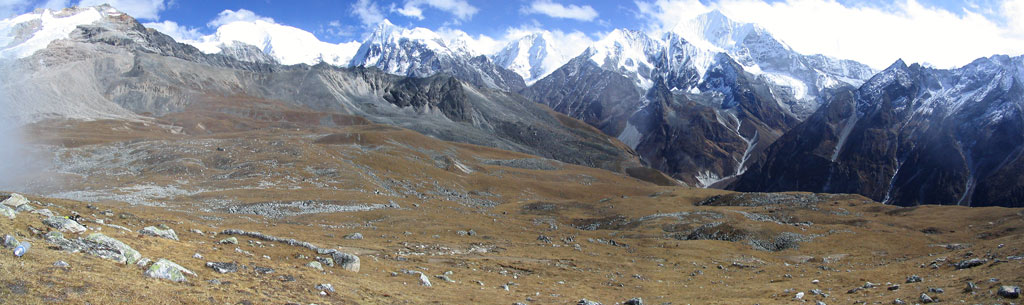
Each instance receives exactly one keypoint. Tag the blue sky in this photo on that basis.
(875, 32)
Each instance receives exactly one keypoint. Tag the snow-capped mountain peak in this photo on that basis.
(288, 45)
(21, 36)
(533, 56)
(628, 52)
(714, 31)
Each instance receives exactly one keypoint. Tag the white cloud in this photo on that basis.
(1013, 12)
(140, 9)
(874, 36)
(229, 16)
(368, 12)
(460, 8)
(557, 10)
(180, 33)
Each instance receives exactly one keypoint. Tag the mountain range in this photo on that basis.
(711, 102)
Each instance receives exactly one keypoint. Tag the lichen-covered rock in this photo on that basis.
(110, 248)
(57, 238)
(8, 212)
(315, 265)
(223, 267)
(64, 224)
(344, 260)
(14, 200)
(10, 241)
(168, 270)
(44, 212)
(229, 241)
(154, 231)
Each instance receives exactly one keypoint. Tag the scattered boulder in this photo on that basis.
(8, 212)
(223, 267)
(936, 290)
(168, 270)
(61, 264)
(10, 241)
(926, 299)
(587, 302)
(315, 265)
(354, 236)
(899, 302)
(44, 212)
(229, 241)
(14, 200)
(64, 224)
(344, 260)
(914, 279)
(424, 280)
(971, 287)
(326, 261)
(634, 301)
(110, 248)
(325, 287)
(262, 270)
(971, 263)
(1009, 292)
(154, 231)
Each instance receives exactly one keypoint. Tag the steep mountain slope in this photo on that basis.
(799, 82)
(116, 68)
(911, 135)
(419, 52)
(696, 111)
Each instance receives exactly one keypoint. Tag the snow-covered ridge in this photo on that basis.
(288, 45)
(533, 56)
(631, 53)
(23, 35)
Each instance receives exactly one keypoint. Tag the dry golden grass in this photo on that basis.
(867, 241)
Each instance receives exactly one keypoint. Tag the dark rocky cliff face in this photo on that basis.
(911, 135)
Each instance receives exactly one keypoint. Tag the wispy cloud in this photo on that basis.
(368, 12)
(558, 10)
(461, 9)
(229, 16)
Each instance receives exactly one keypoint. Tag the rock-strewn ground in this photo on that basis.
(481, 232)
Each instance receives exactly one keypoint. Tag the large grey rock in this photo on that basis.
(587, 302)
(110, 248)
(971, 263)
(168, 270)
(1009, 292)
(223, 267)
(354, 236)
(15, 200)
(64, 224)
(10, 241)
(344, 260)
(229, 241)
(154, 231)
(57, 238)
(634, 301)
(315, 265)
(7, 212)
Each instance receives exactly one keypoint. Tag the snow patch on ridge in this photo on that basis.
(44, 27)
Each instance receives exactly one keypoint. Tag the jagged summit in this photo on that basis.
(631, 53)
(533, 56)
(420, 52)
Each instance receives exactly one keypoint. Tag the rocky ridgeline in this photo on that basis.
(67, 234)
